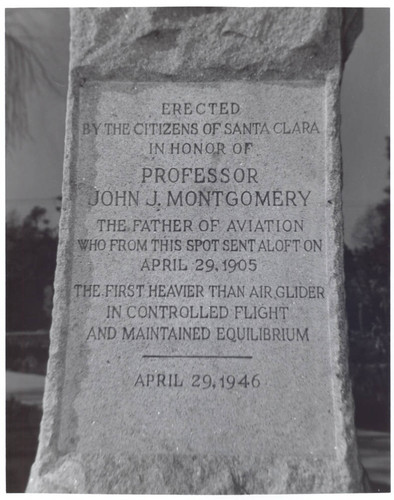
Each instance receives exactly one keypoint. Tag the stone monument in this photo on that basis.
(198, 343)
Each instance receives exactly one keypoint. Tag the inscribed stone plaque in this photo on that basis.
(199, 313)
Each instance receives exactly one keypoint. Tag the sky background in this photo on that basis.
(34, 165)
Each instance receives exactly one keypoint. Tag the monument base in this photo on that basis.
(184, 475)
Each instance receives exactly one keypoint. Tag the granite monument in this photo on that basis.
(198, 342)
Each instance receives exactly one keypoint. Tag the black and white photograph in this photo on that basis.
(197, 254)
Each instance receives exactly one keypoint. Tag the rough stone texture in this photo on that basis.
(206, 44)
(201, 45)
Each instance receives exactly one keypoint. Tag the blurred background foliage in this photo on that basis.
(367, 283)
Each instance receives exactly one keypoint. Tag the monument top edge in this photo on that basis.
(105, 82)
(212, 43)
